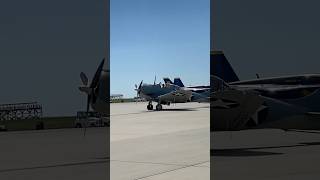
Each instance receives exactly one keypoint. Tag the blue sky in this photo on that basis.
(166, 38)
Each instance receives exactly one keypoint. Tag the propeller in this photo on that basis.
(90, 90)
(84, 78)
(138, 89)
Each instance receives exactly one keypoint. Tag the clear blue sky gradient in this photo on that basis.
(167, 38)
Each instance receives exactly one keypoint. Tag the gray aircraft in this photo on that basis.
(199, 93)
(98, 91)
(163, 94)
(288, 102)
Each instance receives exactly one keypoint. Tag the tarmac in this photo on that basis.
(62, 154)
(159, 145)
(265, 154)
(170, 144)
(154, 145)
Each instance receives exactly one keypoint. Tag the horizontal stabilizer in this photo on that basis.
(218, 84)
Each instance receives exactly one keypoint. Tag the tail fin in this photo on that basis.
(178, 82)
(221, 67)
(167, 80)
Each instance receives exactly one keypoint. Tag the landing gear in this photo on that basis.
(150, 106)
(159, 107)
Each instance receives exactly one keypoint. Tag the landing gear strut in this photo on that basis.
(150, 106)
(159, 107)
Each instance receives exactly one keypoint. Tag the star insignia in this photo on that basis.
(255, 116)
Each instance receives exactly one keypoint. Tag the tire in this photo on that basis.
(159, 107)
(150, 107)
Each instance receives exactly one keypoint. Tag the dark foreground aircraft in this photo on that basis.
(163, 94)
(97, 91)
(288, 102)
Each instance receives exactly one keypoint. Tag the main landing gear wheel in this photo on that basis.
(150, 107)
(159, 107)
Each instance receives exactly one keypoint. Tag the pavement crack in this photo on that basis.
(53, 166)
(171, 170)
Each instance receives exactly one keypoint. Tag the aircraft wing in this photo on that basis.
(276, 88)
(197, 97)
(313, 113)
(178, 96)
(280, 91)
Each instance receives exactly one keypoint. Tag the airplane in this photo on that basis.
(162, 94)
(282, 87)
(221, 68)
(98, 91)
(287, 102)
(178, 82)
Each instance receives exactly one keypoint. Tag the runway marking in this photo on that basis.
(54, 166)
(186, 166)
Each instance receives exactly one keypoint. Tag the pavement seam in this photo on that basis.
(53, 166)
(176, 169)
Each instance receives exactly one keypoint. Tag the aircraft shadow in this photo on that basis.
(254, 150)
(240, 152)
(168, 110)
(178, 109)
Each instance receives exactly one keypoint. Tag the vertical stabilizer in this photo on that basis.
(178, 82)
(220, 67)
(167, 80)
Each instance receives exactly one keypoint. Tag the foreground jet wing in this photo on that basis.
(178, 96)
(201, 97)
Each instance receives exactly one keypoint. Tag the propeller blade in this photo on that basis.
(139, 89)
(140, 85)
(136, 86)
(97, 75)
(84, 78)
(155, 78)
